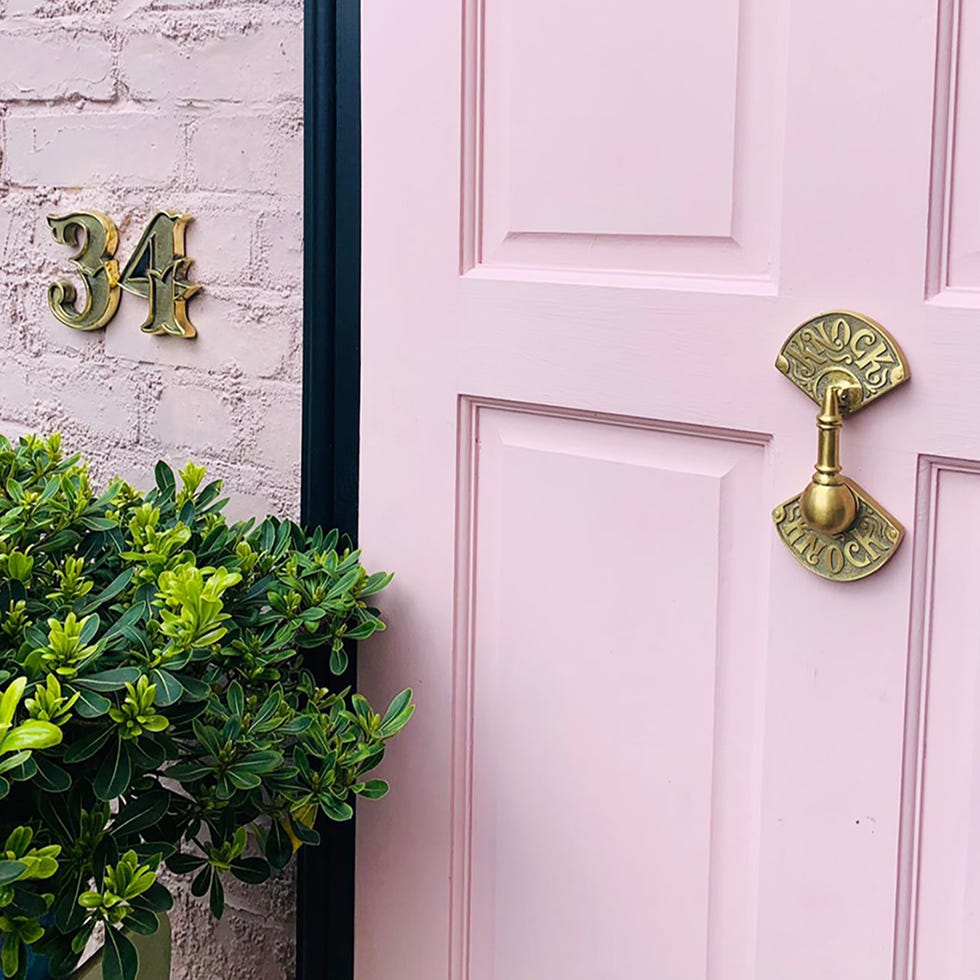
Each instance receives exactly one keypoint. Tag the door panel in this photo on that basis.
(649, 744)
(652, 149)
(940, 860)
(572, 790)
(955, 228)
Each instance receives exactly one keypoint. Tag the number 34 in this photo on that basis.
(156, 271)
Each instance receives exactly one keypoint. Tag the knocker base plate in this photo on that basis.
(847, 350)
(854, 554)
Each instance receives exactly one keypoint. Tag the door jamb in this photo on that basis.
(331, 400)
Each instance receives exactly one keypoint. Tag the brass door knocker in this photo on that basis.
(844, 362)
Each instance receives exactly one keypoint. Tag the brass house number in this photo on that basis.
(156, 271)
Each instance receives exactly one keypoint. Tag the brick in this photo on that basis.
(250, 152)
(14, 430)
(55, 65)
(232, 336)
(43, 332)
(193, 416)
(242, 506)
(16, 395)
(28, 244)
(259, 66)
(98, 399)
(281, 248)
(220, 242)
(22, 8)
(276, 440)
(76, 150)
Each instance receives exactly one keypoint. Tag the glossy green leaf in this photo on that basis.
(217, 898)
(398, 714)
(11, 871)
(91, 705)
(114, 774)
(141, 813)
(251, 870)
(165, 479)
(98, 523)
(202, 882)
(110, 680)
(85, 746)
(168, 688)
(374, 789)
(278, 846)
(90, 626)
(110, 591)
(156, 898)
(12, 762)
(243, 779)
(338, 661)
(147, 753)
(51, 777)
(142, 921)
(337, 810)
(363, 630)
(129, 618)
(120, 960)
(183, 864)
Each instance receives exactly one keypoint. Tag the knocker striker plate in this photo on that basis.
(844, 349)
(846, 557)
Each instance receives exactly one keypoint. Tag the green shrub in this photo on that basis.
(156, 706)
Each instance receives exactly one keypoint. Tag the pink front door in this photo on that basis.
(649, 744)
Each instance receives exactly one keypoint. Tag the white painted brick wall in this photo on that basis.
(129, 107)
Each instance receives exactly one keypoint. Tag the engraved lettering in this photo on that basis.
(794, 529)
(862, 343)
(846, 348)
(835, 559)
(855, 553)
(865, 536)
(841, 332)
(858, 558)
(804, 542)
(816, 548)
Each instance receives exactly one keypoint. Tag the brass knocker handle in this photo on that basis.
(844, 362)
(828, 504)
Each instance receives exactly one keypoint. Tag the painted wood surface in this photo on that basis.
(648, 743)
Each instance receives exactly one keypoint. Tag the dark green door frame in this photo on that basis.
(331, 397)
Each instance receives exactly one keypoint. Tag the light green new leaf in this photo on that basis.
(9, 701)
(31, 734)
(10, 956)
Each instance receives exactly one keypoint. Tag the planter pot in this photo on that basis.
(154, 958)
